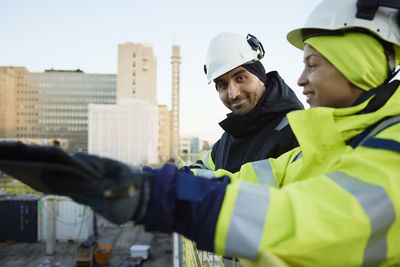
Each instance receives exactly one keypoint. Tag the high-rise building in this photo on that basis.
(127, 131)
(51, 104)
(175, 62)
(137, 72)
(189, 148)
(164, 123)
(195, 145)
(10, 77)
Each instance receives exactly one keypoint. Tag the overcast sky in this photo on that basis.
(85, 34)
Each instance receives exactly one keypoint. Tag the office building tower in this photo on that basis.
(9, 78)
(51, 104)
(137, 72)
(164, 123)
(175, 62)
(195, 145)
(127, 131)
(189, 148)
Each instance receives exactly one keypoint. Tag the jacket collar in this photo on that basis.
(322, 129)
(277, 98)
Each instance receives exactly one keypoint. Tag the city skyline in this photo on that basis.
(85, 35)
(51, 104)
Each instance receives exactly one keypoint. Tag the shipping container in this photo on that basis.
(18, 218)
(74, 222)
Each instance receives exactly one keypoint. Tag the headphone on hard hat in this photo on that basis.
(366, 9)
(255, 45)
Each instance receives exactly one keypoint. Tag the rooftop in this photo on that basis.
(120, 237)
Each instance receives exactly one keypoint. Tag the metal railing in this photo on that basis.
(192, 257)
(197, 258)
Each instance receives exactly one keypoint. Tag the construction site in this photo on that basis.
(32, 235)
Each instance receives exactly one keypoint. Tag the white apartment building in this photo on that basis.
(127, 131)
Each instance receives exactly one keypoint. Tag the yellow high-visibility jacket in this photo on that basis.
(333, 201)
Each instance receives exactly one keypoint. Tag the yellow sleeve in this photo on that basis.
(347, 217)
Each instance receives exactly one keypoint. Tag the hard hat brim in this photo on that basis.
(295, 37)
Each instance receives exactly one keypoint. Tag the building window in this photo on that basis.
(133, 90)
(134, 54)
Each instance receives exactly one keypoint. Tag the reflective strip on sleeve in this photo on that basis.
(247, 221)
(282, 124)
(205, 160)
(379, 209)
(205, 173)
(263, 171)
(198, 166)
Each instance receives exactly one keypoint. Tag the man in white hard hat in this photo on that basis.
(257, 127)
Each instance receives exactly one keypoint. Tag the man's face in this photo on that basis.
(323, 84)
(239, 90)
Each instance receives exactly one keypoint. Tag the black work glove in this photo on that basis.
(28, 163)
(114, 190)
(120, 193)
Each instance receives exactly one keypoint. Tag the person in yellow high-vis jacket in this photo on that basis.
(333, 201)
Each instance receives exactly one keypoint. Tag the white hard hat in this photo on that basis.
(228, 51)
(377, 17)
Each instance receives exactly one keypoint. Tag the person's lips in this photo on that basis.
(309, 95)
(238, 104)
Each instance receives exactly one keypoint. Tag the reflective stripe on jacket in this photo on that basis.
(258, 172)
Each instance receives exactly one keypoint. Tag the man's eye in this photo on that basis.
(240, 78)
(221, 86)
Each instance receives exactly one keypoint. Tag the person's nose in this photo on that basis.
(233, 91)
(302, 79)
